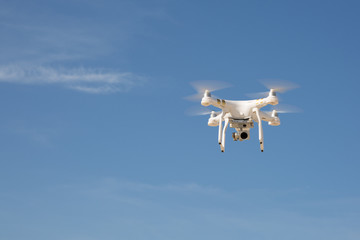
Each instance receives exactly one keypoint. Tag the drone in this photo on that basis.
(241, 115)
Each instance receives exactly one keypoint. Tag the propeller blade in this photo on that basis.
(195, 97)
(285, 108)
(202, 86)
(210, 85)
(196, 111)
(280, 86)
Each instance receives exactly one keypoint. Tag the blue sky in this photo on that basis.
(95, 143)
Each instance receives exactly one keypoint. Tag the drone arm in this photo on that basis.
(261, 136)
(223, 134)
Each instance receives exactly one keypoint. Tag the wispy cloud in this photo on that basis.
(96, 81)
(203, 210)
(81, 34)
(142, 194)
(143, 210)
(170, 187)
(41, 136)
(43, 32)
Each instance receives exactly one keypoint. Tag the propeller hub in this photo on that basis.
(272, 93)
(207, 93)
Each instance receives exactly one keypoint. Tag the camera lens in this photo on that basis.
(243, 135)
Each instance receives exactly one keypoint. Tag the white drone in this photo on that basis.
(240, 114)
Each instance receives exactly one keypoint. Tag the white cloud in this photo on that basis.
(36, 36)
(96, 81)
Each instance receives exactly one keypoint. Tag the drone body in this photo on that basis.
(241, 116)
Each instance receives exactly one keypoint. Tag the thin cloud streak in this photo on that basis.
(43, 33)
(185, 205)
(87, 80)
(177, 188)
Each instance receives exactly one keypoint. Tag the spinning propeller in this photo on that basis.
(279, 86)
(196, 111)
(284, 108)
(202, 86)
